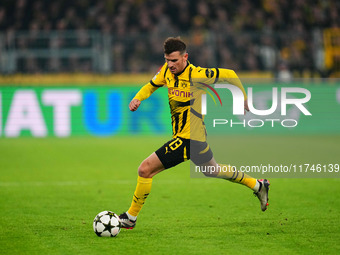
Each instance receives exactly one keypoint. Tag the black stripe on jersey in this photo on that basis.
(217, 75)
(182, 104)
(196, 113)
(190, 71)
(176, 82)
(153, 84)
(176, 119)
(185, 115)
(166, 69)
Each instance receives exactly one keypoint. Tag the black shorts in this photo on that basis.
(179, 150)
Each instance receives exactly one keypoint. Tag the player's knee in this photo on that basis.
(144, 170)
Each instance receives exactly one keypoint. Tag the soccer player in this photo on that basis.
(178, 75)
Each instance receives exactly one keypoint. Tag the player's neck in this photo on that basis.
(179, 73)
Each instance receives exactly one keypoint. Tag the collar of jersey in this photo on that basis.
(188, 63)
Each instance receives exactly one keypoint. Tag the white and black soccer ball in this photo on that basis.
(107, 224)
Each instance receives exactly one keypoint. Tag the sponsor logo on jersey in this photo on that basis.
(180, 93)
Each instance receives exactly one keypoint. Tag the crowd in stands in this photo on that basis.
(247, 35)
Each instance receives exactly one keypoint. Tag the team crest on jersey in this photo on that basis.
(209, 73)
(184, 84)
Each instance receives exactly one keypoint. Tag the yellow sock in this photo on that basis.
(141, 193)
(231, 174)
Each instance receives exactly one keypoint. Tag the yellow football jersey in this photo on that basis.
(185, 96)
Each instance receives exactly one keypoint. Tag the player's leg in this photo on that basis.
(227, 172)
(147, 169)
(230, 173)
(202, 156)
(170, 154)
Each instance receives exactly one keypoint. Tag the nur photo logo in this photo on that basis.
(277, 106)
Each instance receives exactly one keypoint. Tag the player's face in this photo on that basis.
(176, 61)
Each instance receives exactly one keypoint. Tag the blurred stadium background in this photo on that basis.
(298, 37)
(69, 69)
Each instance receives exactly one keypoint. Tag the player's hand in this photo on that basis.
(246, 108)
(134, 104)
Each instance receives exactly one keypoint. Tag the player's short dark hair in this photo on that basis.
(172, 44)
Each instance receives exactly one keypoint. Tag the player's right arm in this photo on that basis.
(155, 83)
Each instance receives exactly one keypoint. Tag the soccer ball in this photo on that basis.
(106, 223)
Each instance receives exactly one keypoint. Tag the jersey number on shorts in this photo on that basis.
(175, 144)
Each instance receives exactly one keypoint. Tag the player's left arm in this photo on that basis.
(231, 77)
(214, 75)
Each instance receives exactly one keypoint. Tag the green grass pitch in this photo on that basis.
(51, 189)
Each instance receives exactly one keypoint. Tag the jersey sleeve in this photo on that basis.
(155, 83)
(159, 79)
(231, 77)
(214, 75)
